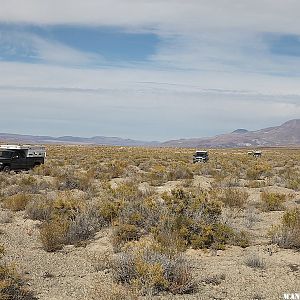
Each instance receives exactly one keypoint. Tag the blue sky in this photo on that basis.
(148, 69)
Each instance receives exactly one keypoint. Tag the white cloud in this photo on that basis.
(175, 15)
(47, 76)
(212, 72)
(140, 103)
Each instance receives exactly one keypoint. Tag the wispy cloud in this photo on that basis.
(213, 66)
(16, 45)
(177, 15)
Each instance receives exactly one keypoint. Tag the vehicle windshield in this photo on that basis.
(5, 154)
(201, 153)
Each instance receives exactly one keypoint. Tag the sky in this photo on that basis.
(148, 69)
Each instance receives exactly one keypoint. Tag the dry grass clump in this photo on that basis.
(287, 234)
(146, 266)
(214, 279)
(39, 208)
(254, 260)
(114, 169)
(259, 170)
(12, 285)
(6, 217)
(135, 218)
(179, 171)
(233, 197)
(56, 233)
(161, 173)
(157, 175)
(70, 180)
(16, 202)
(251, 217)
(290, 177)
(52, 234)
(71, 221)
(32, 184)
(272, 201)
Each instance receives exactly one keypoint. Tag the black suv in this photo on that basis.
(18, 160)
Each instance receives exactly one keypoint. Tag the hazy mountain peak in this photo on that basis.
(292, 123)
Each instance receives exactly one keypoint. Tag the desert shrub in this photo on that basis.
(58, 232)
(109, 209)
(44, 169)
(179, 171)
(67, 205)
(127, 191)
(68, 220)
(145, 266)
(143, 213)
(124, 233)
(232, 197)
(214, 279)
(256, 184)
(12, 285)
(110, 169)
(157, 175)
(16, 202)
(291, 177)
(135, 219)
(6, 217)
(52, 235)
(294, 184)
(287, 234)
(70, 180)
(117, 168)
(39, 208)
(82, 227)
(229, 181)
(251, 217)
(254, 260)
(258, 170)
(272, 201)
(196, 221)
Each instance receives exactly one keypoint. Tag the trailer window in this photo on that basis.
(5, 154)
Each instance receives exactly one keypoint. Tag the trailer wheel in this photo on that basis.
(6, 169)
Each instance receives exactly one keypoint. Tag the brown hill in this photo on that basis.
(287, 134)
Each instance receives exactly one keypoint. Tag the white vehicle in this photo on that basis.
(255, 153)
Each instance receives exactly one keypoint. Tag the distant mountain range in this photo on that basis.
(96, 140)
(287, 134)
